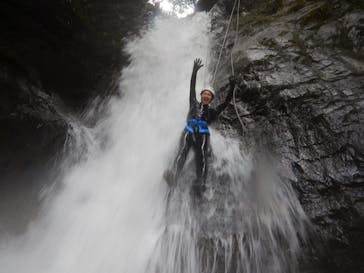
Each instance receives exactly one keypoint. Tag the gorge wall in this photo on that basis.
(300, 65)
(55, 58)
(306, 62)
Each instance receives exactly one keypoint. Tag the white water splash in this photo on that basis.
(110, 210)
(111, 215)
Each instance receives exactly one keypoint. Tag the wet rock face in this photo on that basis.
(308, 58)
(205, 5)
(55, 56)
(70, 46)
(32, 132)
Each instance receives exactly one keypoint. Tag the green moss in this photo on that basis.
(271, 7)
(356, 4)
(323, 10)
(297, 5)
(252, 19)
(299, 43)
(315, 12)
(262, 14)
(318, 14)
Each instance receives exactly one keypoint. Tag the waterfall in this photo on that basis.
(113, 211)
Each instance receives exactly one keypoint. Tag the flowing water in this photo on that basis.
(114, 213)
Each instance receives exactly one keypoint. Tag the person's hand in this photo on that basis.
(232, 80)
(197, 64)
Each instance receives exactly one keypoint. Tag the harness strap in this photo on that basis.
(197, 126)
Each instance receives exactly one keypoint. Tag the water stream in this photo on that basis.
(114, 213)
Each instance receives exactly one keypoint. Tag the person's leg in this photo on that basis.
(185, 144)
(184, 147)
(201, 152)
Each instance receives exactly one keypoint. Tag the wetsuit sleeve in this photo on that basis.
(228, 98)
(193, 88)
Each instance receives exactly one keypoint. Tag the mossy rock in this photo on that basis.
(263, 14)
(318, 14)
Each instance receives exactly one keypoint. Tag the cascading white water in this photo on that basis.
(110, 211)
(111, 214)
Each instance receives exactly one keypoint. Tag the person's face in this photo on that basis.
(206, 97)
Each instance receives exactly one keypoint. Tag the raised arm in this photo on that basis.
(197, 64)
(228, 98)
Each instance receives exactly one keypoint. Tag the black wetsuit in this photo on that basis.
(199, 142)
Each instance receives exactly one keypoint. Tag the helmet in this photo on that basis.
(208, 90)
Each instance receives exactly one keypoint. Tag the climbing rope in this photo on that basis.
(236, 3)
(236, 38)
(223, 42)
(242, 124)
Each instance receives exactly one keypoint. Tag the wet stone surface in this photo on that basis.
(308, 57)
(55, 57)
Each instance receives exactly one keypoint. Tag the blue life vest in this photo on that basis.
(197, 126)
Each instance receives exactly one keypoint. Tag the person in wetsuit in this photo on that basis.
(196, 133)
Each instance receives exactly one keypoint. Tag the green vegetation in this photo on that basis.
(270, 7)
(318, 14)
(253, 18)
(269, 11)
(356, 4)
(262, 14)
(297, 5)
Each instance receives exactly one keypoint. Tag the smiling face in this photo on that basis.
(206, 97)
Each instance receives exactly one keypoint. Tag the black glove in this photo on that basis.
(232, 80)
(244, 84)
(197, 64)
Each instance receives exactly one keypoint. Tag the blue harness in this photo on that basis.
(197, 126)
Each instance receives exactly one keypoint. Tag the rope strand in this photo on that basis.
(223, 43)
(231, 57)
(243, 126)
(236, 38)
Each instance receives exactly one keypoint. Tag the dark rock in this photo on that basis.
(308, 58)
(55, 57)
(71, 46)
(205, 5)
